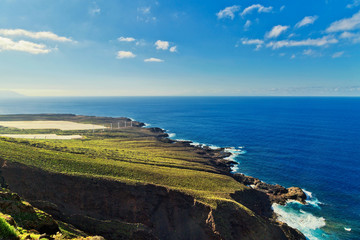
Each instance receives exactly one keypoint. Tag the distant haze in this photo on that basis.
(9, 94)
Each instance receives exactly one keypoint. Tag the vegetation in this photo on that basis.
(6, 230)
(20, 220)
(132, 155)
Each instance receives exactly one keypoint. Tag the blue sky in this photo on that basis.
(180, 48)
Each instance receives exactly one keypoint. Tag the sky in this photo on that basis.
(180, 47)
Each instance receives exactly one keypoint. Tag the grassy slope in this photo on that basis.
(131, 155)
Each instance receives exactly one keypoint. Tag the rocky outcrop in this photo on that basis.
(137, 211)
(276, 193)
(23, 221)
(25, 215)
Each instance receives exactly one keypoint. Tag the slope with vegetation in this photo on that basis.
(134, 183)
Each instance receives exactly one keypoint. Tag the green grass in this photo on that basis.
(130, 155)
(7, 231)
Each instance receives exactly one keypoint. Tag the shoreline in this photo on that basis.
(223, 158)
(280, 197)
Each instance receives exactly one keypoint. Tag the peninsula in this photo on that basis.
(83, 176)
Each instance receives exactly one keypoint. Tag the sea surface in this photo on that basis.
(313, 143)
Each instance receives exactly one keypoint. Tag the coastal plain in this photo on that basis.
(131, 182)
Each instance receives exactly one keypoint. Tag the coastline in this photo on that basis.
(258, 198)
(281, 198)
(224, 158)
(273, 155)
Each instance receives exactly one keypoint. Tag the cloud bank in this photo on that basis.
(7, 44)
(345, 24)
(33, 35)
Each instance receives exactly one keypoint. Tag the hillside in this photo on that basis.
(134, 183)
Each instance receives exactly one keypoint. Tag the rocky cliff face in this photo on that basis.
(117, 210)
(275, 193)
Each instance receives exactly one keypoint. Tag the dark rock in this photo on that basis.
(276, 193)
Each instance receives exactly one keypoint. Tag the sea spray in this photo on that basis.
(309, 224)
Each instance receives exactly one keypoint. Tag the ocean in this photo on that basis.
(309, 142)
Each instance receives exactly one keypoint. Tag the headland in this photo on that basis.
(120, 180)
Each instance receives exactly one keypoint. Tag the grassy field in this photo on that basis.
(131, 155)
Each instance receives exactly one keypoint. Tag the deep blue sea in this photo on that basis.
(313, 143)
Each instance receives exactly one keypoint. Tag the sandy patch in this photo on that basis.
(62, 125)
(42, 136)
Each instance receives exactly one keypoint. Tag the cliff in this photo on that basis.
(134, 183)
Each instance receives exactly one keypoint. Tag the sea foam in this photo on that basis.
(307, 223)
(312, 200)
(171, 135)
(235, 151)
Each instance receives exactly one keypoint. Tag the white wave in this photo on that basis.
(305, 222)
(213, 147)
(311, 200)
(235, 168)
(196, 144)
(307, 193)
(147, 124)
(347, 229)
(171, 135)
(234, 152)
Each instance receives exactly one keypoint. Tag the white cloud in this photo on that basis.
(153, 60)
(282, 8)
(7, 44)
(247, 24)
(34, 35)
(260, 8)
(347, 35)
(256, 42)
(276, 31)
(309, 52)
(355, 3)
(144, 10)
(228, 12)
(126, 39)
(318, 42)
(338, 54)
(306, 21)
(354, 37)
(246, 41)
(163, 45)
(125, 54)
(293, 56)
(94, 11)
(173, 49)
(345, 24)
(144, 15)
